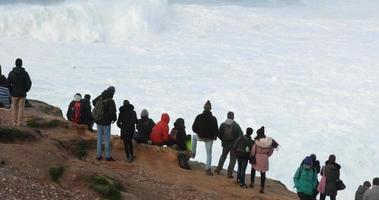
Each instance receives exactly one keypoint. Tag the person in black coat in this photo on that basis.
(86, 113)
(242, 147)
(179, 134)
(144, 128)
(127, 120)
(19, 85)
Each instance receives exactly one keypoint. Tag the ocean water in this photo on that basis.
(307, 70)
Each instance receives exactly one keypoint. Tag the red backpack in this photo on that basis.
(76, 112)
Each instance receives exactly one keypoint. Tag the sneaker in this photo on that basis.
(243, 186)
(251, 185)
(209, 172)
(110, 159)
(99, 158)
(217, 171)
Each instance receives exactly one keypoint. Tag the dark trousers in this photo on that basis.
(242, 164)
(263, 177)
(232, 163)
(128, 146)
(323, 196)
(303, 196)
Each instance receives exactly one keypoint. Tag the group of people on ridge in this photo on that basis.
(365, 192)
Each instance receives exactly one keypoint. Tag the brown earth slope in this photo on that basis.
(27, 154)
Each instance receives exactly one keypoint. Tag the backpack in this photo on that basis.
(243, 145)
(99, 110)
(183, 161)
(76, 112)
(228, 132)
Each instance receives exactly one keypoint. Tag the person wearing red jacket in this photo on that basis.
(160, 133)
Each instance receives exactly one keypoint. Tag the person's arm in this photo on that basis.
(135, 118)
(296, 177)
(28, 82)
(69, 111)
(253, 150)
(221, 131)
(239, 131)
(236, 143)
(119, 122)
(270, 152)
(113, 111)
(195, 126)
(215, 126)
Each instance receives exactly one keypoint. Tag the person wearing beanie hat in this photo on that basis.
(5, 96)
(86, 112)
(305, 180)
(127, 120)
(331, 171)
(104, 114)
(144, 127)
(373, 193)
(19, 84)
(242, 148)
(361, 190)
(74, 109)
(229, 132)
(206, 128)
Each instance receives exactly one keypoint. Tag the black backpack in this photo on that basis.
(228, 132)
(183, 161)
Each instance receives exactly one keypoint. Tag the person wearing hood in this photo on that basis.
(305, 180)
(242, 148)
(331, 171)
(5, 95)
(73, 112)
(362, 189)
(373, 193)
(159, 134)
(229, 132)
(104, 114)
(206, 128)
(261, 151)
(144, 127)
(86, 113)
(178, 133)
(127, 120)
(19, 85)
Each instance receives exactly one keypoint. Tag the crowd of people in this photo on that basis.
(242, 149)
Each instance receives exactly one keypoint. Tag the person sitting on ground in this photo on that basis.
(206, 128)
(261, 151)
(74, 109)
(19, 85)
(229, 132)
(86, 112)
(361, 190)
(305, 179)
(144, 128)
(5, 96)
(242, 148)
(331, 171)
(127, 120)
(178, 133)
(159, 134)
(373, 193)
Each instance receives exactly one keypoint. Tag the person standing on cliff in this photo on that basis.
(229, 132)
(104, 115)
(206, 128)
(19, 85)
(127, 120)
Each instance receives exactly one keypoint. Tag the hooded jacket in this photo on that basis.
(19, 82)
(159, 134)
(205, 126)
(237, 132)
(180, 132)
(110, 108)
(127, 120)
(305, 179)
(332, 173)
(262, 150)
(85, 111)
(144, 127)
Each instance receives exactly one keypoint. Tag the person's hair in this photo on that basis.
(230, 115)
(249, 131)
(87, 96)
(375, 181)
(367, 184)
(18, 62)
(260, 133)
(126, 102)
(332, 159)
(111, 89)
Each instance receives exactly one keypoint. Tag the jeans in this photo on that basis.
(106, 132)
(18, 106)
(208, 148)
(232, 162)
(323, 196)
(263, 177)
(242, 164)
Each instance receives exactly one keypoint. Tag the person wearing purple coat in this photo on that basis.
(262, 150)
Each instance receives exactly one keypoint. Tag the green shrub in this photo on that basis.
(80, 149)
(110, 189)
(56, 172)
(42, 123)
(13, 134)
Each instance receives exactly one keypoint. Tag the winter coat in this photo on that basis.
(205, 126)
(19, 82)
(180, 134)
(262, 150)
(238, 147)
(127, 120)
(372, 194)
(159, 134)
(85, 112)
(305, 180)
(360, 192)
(237, 132)
(144, 128)
(332, 173)
(110, 108)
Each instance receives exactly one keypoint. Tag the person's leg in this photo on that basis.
(208, 147)
(107, 135)
(195, 138)
(232, 162)
(90, 125)
(222, 159)
(322, 196)
(126, 148)
(239, 163)
(243, 171)
(130, 143)
(20, 114)
(100, 132)
(252, 177)
(263, 181)
(14, 110)
(332, 197)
